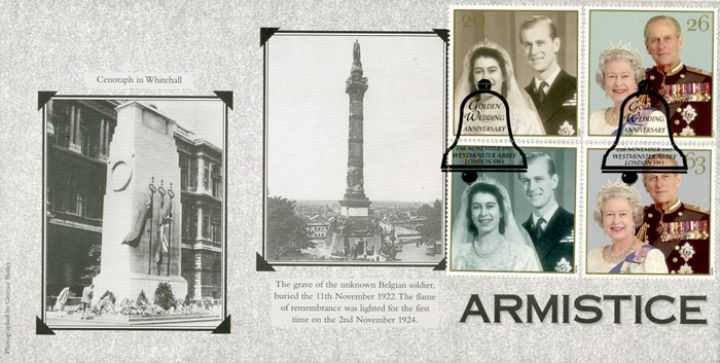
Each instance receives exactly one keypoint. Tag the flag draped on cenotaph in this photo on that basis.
(142, 213)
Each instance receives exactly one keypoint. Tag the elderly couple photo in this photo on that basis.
(486, 236)
(650, 228)
(532, 66)
(661, 44)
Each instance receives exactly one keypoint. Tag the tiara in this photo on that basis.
(617, 186)
(618, 49)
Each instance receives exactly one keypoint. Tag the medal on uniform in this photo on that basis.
(687, 251)
(668, 232)
(685, 269)
(685, 230)
(703, 227)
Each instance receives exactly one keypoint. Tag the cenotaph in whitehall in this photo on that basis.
(142, 213)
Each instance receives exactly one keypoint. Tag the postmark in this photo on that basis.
(529, 56)
(656, 224)
(514, 222)
(670, 48)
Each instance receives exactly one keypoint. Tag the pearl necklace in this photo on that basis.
(611, 117)
(489, 254)
(607, 253)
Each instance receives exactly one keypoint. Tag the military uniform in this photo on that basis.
(682, 233)
(688, 92)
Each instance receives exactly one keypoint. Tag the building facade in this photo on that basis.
(79, 133)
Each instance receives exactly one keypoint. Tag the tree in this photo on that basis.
(431, 228)
(425, 211)
(91, 261)
(286, 233)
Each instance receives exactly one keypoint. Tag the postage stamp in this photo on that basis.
(530, 57)
(134, 212)
(354, 133)
(672, 50)
(515, 221)
(655, 223)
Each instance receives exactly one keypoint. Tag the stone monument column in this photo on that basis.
(142, 213)
(354, 233)
(355, 203)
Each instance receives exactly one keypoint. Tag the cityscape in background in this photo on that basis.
(411, 231)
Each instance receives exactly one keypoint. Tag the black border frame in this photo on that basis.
(265, 34)
(226, 97)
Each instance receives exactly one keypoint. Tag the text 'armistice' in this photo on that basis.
(587, 309)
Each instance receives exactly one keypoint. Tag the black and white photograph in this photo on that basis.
(134, 213)
(516, 221)
(354, 135)
(530, 57)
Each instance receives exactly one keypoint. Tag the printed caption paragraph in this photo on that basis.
(353, 302)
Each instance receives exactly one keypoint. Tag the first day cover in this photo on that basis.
(359, 181)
